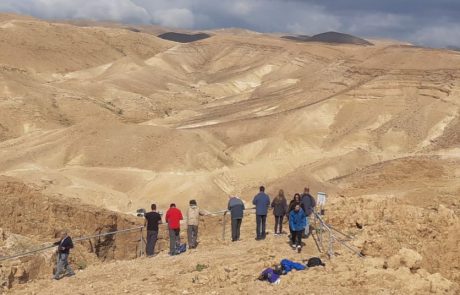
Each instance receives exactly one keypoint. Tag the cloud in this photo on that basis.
(426, 22)
(439, 36)
(121, 10)
(175, 17)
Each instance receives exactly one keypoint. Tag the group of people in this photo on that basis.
(297, 213)
(173, 218)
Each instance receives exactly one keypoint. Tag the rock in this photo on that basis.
(405, 258)
(410, 258)
(438, 285)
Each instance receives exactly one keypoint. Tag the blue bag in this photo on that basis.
(289, 265)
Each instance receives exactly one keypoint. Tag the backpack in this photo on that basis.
(269, 275)
(315, 261)
(289, 265)
(181, 248)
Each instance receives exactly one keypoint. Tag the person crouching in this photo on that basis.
(297, 223)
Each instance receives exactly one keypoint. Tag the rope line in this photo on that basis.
(4, 258)
(327, 227)
(333, 237)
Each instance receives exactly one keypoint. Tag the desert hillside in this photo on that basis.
(106, 118)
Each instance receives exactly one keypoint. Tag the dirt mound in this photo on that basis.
(340, 38)
(302, 38)
(46, 47)
(183, 38)
(330, 37)
(31, 220)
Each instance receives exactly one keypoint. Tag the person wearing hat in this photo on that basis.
(193, 214)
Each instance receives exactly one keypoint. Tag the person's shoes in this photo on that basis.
(293, 246)
(70, 274)
(56, 278)
(299, 249)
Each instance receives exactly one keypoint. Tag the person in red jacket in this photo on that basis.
(173, 218)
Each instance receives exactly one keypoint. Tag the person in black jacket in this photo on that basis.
(236, 208)
(64, 246)
(308, 203)
(295, 200)
(152, 220)
(280, 207)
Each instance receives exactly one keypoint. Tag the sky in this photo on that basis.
(434, 23)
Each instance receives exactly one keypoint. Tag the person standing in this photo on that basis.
(262, 203)
(279, 205)
(173, 218)
(63, 251)
(152, 220)
(236, 208)
(297, 223)
(295, 201)
(193, 214)
(309, 204)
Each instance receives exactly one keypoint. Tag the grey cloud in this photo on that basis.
(425, 22)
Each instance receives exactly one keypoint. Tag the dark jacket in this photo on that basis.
(308, 203)
(292, 205)
(262, 202)
(64, 245)
(236, 207)
(297, 220)
(280, 209)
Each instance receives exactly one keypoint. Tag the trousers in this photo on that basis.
(152, 237)
(192, 235)
(174, 240)
(63, 264)
(261, 220)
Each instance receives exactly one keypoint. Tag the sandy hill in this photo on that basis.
(116, 117)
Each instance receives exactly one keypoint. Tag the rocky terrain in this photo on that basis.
(98, 120)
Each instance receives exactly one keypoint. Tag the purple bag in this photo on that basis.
(269, 275)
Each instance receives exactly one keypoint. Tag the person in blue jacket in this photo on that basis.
(262, 203)
(297, 223)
